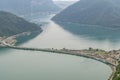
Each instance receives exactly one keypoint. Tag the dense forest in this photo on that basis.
(117, 73)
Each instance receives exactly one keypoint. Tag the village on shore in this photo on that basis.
(111, 58)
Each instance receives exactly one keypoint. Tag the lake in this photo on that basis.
(35, 65)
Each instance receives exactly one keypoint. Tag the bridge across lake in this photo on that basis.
(61, 51)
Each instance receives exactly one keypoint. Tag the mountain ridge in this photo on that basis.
(24, 7)
(95, 12)
(11, 24)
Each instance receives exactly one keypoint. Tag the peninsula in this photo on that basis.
(110, 58)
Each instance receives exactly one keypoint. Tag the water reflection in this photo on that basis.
(93, 32)
(73, 36)
(23, 39)
(29, 65)
(60, 36)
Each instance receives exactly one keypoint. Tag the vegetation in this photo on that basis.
(96, 51)
(117, 73)
(95, 12)
(11, 24)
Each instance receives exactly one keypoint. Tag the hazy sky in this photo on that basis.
(65, 0)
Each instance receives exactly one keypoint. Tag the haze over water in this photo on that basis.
(75, 36)
(35, 65)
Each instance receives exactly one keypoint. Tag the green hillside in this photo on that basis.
(10, 24)
(92, 12)
(117, 74)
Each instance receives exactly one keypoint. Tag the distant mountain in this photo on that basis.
(10, 24)
(64, 4)
(27, 6)
(16, 6)
(44, 6)
(92, 12)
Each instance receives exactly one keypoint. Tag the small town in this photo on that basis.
(110, 58)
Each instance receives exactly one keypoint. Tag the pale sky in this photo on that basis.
(65, 0)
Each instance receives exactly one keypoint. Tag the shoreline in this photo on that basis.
(113, 72)
(96, 54)
(71, 52)
(12, 40)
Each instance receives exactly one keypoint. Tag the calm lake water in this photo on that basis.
(74, 36)
(33, 65)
